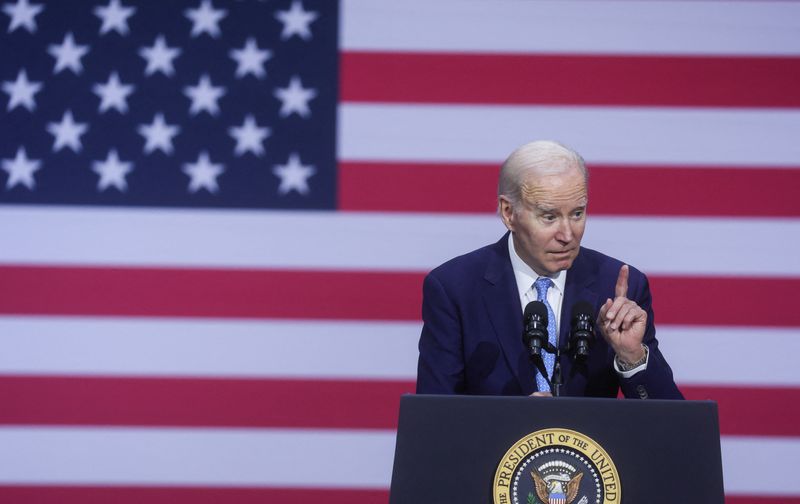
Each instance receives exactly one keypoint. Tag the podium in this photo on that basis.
(522, 450)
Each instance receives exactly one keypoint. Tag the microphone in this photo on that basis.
(582, 330)
(534, 333)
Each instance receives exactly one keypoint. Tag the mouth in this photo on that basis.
(562, 253)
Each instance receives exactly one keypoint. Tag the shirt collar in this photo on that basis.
(525, 275)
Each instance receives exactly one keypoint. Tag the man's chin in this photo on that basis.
(562, 264)
(552, 263)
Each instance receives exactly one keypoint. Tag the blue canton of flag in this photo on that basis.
(197, 103)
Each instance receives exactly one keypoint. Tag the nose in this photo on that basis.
(565, 233)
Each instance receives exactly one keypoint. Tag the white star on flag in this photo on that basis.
(114, 17)
(296, 21)
(68, 54)
(250, 59)
(22, 14)
(249, 137)
(203, 174)
(158, 135)
(204, 96)
(21, 91)
(112, 172)
(159, 57)
(294, 175)
(67, 133)
(21, 169)
(205, 19)
(113, 94)
(294, 98)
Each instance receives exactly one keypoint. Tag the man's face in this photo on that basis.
(549, 221)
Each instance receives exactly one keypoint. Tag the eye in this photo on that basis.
(578, 214)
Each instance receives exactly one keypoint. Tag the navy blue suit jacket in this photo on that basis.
(471, 340)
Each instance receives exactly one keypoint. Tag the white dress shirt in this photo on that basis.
(526, 277)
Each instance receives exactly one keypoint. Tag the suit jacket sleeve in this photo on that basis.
(441, 354)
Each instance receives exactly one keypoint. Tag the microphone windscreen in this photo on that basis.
(536, 308)
(583, 308)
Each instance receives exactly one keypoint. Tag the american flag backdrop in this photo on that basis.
(215, 218)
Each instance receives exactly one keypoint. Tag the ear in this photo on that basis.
(506, 212)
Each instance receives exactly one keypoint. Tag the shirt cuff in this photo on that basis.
(637, 369)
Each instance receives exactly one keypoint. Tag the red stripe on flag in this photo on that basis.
(28, 494)
(697, 300)
(200, 402)
(345, 404)
(236, 293)
(417, 187)
(570, 79)
(340, 295)
(675, 190)
(694, 191)
(741, 409)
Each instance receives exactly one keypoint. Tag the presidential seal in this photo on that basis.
(556, 466)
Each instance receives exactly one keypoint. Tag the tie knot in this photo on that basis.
(541, 285)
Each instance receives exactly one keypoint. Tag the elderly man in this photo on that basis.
(473, 305)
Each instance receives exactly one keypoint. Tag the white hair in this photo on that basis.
(543, 156)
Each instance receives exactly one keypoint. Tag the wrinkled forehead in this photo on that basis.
(555, 187)
(565, 176)
(552, 166)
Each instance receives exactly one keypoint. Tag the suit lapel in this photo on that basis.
(504, 310)
(580, 286)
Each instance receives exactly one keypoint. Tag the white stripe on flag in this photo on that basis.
(372, 241)
(757, 465)
(723, 355)
(207, 457)
(488, 133)
(283, 457)
(246, 348)
(695, 246)
(587, 27)
(219, 348)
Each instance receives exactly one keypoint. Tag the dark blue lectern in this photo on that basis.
(512, 450)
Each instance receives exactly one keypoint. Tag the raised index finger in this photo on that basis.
(621, 290)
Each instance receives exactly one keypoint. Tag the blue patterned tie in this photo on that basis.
(541, 285)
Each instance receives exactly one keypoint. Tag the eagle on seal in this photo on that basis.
(555, 491)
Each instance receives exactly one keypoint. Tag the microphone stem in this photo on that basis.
(557, 366)
(557, 376)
